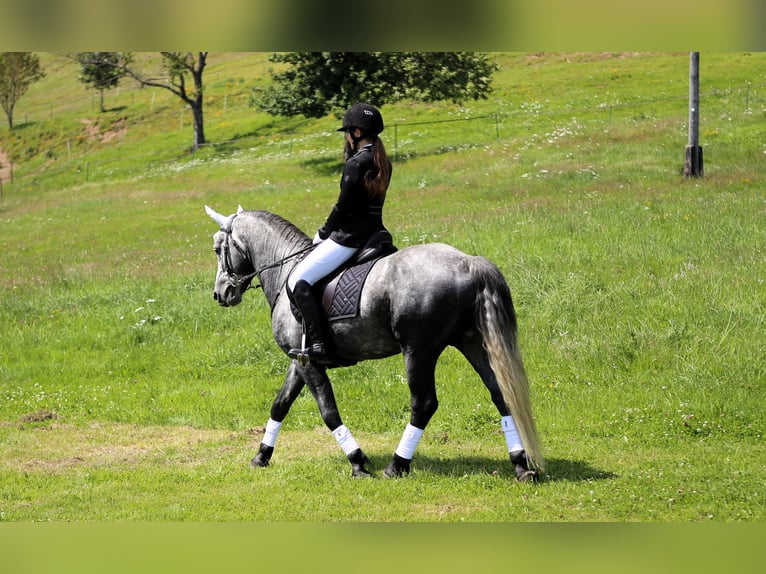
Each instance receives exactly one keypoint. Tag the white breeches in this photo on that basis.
(324, 259)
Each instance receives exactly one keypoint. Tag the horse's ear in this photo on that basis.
(239, 209)
(221, 220)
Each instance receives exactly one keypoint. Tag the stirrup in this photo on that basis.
(304, 355)
(301, 355)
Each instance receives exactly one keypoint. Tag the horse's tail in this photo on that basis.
(497, 324)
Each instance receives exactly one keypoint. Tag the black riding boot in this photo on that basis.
(315, 320)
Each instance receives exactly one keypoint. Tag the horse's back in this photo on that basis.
(431, 264)
(427, 286)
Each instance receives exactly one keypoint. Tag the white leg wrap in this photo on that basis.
(345, 439)
(270, 435)
(408, 444)
(512, 438)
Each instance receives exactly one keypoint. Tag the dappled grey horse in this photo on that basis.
(416, 301)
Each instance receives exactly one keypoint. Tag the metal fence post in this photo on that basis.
(396, 142)
(693, 158)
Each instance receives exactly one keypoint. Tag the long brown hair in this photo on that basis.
(376, 181)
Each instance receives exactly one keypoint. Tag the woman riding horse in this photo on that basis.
(355, 217)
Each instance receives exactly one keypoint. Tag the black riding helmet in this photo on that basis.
(365, 117)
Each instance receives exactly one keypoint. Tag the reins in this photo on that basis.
(276, 264)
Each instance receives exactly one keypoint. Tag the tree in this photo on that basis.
(102, 70)
(316, 83)
(18, 70)
(179, 65)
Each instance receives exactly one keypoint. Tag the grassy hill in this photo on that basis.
(60, 129)
(640, 297)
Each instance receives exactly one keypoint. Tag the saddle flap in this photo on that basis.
(340, 298)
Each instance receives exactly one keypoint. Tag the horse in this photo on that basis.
(416, 301)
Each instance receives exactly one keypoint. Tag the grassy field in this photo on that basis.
(127, 394)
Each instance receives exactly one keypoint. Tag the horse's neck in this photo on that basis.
(273, 240)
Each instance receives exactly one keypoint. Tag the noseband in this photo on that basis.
(237, 280)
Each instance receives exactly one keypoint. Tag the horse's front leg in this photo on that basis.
(423, 405)
(319, 384)
(290, 390)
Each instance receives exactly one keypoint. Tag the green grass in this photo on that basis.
(126, 393)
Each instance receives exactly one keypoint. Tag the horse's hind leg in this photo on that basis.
(290, 390)
(423, 405)
(473, 350)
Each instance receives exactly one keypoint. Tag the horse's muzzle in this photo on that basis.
(228, 298)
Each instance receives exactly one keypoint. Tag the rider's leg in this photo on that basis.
(324, 259)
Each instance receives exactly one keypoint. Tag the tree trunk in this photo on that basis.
(179, 65)
(197, 103)
(199, 125)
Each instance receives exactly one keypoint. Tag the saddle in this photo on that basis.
(341, 290)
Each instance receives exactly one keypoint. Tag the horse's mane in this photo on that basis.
(286, 228)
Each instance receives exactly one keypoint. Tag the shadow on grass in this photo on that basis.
(324, 166)
(557, 469)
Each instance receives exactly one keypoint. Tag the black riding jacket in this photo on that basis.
(356, 215)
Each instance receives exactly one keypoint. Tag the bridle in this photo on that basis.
(234, 278)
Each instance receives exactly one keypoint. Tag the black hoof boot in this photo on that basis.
(262, 458)
(358, 461)
(398, 467)
(521, 467)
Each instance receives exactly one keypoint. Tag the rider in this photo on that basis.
(355, 217)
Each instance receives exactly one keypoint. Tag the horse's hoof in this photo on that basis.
(521, 467)
(398, 467)
(261, 460)
(358, 471)
(527, 476)
(358, 459)
(258, 462)
(392, 472)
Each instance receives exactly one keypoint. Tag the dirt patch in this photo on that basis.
(93, 131)
(59, 448)
(5, 167)
(38, 417)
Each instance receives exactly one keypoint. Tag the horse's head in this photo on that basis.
(235, 271)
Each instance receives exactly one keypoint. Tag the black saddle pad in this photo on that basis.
(340, 298)
(340, 294)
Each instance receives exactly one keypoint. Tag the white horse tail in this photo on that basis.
(497, 324)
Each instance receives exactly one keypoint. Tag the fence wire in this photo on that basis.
(404, 139)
